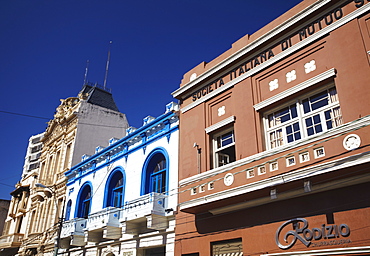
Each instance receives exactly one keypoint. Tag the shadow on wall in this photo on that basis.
(327, 203)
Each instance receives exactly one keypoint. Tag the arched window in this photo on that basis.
(114, 192)
(68, 210)
(155, 173)
(84, 201)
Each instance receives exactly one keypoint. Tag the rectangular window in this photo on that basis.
(261, 170)
(304, 157)
(306, 117)
(274, 166)
(227, 247)
(224, 147)
(250, 173)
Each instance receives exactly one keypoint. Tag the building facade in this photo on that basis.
(14, 228)
(80, 122)
(121, 200)
(274, 156)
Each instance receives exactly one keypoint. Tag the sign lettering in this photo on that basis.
(306, 236)
(325, 20)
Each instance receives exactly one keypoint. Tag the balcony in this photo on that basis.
(144, 213)
(72, 233)
(104, 224)
(149, 208)
(10, 241)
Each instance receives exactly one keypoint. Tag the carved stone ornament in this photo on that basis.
(229, 179)
(351, 141)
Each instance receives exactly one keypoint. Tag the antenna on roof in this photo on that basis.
(87, 68)
(107, 66)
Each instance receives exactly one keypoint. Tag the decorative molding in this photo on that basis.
(305, 173)
(267, 63)
(299, 87)
(351, 142)
(251, 46)
(345, 128)
(220, 124)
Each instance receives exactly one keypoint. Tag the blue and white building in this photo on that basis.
(122, 199)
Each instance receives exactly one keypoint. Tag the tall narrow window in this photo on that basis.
(306, 117)
(115, 190)
(67, 156)
(84, 202)
(155, 174)
(224, 147)
(68, 210)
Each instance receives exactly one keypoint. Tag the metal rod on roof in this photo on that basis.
(107, 66)
(86, 70)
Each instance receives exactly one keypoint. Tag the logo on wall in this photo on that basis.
(297, 230)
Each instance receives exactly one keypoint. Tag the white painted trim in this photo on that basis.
(299, 87)
(305, 173)
(256, 43)
(220, 124)
(276, 58)
(318, 188)
(345, 128)
(333, 251)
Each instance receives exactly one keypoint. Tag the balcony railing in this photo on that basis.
(13, 240)
(111, 222)
(73, 227)
(107, 217)
(152, 203)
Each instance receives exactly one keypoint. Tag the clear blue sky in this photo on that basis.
(45, 44)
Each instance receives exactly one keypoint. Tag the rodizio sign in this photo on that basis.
(268, 54)
(315, 237)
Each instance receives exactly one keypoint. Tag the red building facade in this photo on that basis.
(275, 155)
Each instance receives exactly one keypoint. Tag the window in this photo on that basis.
(261, 170)
(115, 190)
(319, 152)
(228, 247)
(68, 210)
(308, 116)
(84, 201)
(211, 185)
(250, 173)
(193, 191)
(224, 148)
(304, 157)
(155, 173)
(290, 161)
(274, 166)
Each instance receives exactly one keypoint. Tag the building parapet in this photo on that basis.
(135, 139)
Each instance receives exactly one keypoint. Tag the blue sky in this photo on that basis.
(45, 44)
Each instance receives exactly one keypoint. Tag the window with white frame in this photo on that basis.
(306, 117)
(224, 147)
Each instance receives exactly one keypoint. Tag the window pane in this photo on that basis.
(293, 109)
(226, 156)
(276, 138)
(308, 122)
(293, 132)
(318, 128)
(310, 131)
(306, 106)
(289, 129)
(226, 139)
(319, 100)
(282, 116)
(333, 96)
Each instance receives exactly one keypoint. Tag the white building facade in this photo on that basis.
(78, 125)
(122, 199)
